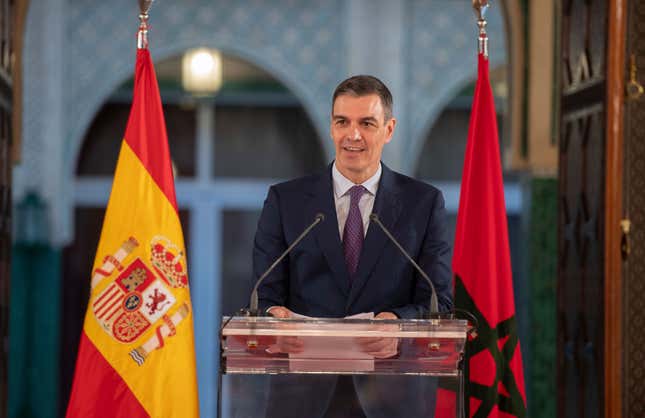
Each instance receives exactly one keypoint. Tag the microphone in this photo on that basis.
(434, 304)
(253, 305)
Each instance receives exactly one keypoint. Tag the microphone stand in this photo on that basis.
(253, 305)
(434, 304)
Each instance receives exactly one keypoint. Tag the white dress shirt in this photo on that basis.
(341, 197)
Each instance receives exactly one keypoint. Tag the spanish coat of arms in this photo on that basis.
(140, 295)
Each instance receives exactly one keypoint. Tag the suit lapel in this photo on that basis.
(388, 208)
(322, 201)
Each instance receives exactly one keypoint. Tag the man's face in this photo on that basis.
(359, 131)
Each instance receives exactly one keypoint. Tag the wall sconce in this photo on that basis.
(201, 71)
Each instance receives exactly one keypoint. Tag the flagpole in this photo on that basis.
(142, 35)
(481, 6)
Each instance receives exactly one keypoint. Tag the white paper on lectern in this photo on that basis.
(346, 351)
(363, 315)
(333, 347)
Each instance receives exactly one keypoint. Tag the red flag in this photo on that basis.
(136, 357)
(482, 268)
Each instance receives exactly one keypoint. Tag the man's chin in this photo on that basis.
(353, 159)
(351, 165)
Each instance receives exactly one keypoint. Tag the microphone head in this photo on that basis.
(320, 217)
(374, 217)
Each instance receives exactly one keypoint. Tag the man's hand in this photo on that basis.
(386, 315)
(279, 312)
(380, 347)
(284, 344)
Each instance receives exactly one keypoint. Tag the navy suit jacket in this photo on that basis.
(313, 280)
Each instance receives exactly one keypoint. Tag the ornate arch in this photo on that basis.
(304, 95)
(442, 58)
(303, 55)
(76, 53)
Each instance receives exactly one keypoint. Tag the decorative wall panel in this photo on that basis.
(442, 60)
(634, 204)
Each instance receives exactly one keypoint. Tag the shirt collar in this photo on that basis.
(342, 184)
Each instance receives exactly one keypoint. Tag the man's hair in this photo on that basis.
(364, 85)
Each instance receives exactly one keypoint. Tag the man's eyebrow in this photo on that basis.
(363, 119)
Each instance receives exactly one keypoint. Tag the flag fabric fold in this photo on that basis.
(482, 266)
(136, 356)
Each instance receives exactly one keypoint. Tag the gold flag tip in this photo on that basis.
(142, 35)
(144, 6)
(481, 6)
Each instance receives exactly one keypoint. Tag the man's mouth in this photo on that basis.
(353, 149)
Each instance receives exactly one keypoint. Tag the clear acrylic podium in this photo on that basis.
(425, 353)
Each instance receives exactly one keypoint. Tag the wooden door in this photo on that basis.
(581, 210)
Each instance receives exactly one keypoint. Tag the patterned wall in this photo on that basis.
(634, 273)
(442, 59)
(79, 51)
(298, 42)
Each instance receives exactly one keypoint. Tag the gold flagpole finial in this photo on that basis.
(142, 36)
(144, 6)
(481, 6)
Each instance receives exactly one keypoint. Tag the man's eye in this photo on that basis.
(368, 124)
(340, 122)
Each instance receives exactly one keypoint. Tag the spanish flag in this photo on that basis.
(136, 356)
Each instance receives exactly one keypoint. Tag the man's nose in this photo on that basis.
(355, 134)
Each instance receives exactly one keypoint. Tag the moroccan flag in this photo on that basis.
(482, 268)
(136, 356)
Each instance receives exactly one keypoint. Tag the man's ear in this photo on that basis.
(389, 128)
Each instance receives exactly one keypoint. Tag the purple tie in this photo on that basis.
(353, 233)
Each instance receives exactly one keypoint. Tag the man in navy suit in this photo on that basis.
(346, 266)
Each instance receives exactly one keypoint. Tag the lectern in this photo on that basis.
(255, 348)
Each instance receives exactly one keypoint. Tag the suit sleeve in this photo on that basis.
(269, 244)
(434, 259)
